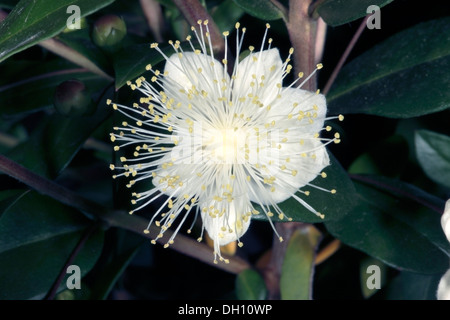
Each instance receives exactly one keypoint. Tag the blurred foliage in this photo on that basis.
(391, 171)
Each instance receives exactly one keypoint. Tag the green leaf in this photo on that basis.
(105, 283)
(54, 144)
(80, 41)
(36, 93)
(402, 234)
(37, 234)
(29, 271)
(404, 76)
(130, 62)
(250, 286)
(338, 12)
(412, 286)
(34, 218)
(226, 14)
(402, 190)
(8, 4)
(333, 206)
(32, 21)
(128, 67)
(261, 9)
(298, 264)
(378, 159)
(8, 198)
(433, 153)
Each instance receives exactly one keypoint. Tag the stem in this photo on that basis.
(42, 76)
(272, 271)
(284, 11)
(3, 15)
(54, 289)
(302, 31)
(49, 188)
(328, 251)
(153, 13)
(345, 55)
(194, 11)
(320, 40)
(381, 185)
(114, 218)
(60, 49)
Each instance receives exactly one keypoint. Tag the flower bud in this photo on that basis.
(72, 99)
(109, 31)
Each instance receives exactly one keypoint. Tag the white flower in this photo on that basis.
(445, 220)
(443, 292)
(218, 144)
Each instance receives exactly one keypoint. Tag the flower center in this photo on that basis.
(226, 145)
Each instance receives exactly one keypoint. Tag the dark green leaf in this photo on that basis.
(262, 9)
(337, 12)
(37, 235)
(226, 14)
(378, 159)
(36, 93)
(105, 283)
(8, 4)
(298, 264)
(35, 218)
(333, 206)
(80, 41)
(33, 21)
(53, 145)
(402, 190)
(128, 67)
(402, 234)
(404, 76)
(411, 286)
(250, 286)
(29, 271)
(8, 198)
(130, 62)
(433, 153)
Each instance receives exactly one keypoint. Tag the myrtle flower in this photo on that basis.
(225, 142)
(443, 291)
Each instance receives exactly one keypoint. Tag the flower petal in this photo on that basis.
(192, 69)
(443, 291)
(306, 162)
(228, 227)
(445, 220)
(261, 67)
(310, 106)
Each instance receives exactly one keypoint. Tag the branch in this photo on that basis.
(383, 186)
(153, 14)
(345, 55)
(194, 11)
(54, 289)
(272, 272)
(60, 49)
(113, 218)
(302, 31)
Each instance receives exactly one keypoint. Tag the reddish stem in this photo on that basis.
(344, 56)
